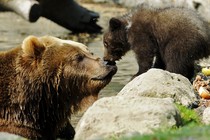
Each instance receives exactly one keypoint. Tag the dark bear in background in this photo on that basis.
(168, 38)
(66, 13)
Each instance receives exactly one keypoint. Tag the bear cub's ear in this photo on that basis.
(114, 24)
(32, 47)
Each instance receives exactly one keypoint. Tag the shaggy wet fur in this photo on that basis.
(169, 38)
(43, 82)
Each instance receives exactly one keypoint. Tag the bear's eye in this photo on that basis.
(79, 58)
(105, 44)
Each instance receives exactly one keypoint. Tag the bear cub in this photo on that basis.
(170, 38)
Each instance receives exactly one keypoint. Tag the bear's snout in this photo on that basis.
(111, 67)
(112, 63)
(109, 71)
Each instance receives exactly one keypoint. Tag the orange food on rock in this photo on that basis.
(204, 93)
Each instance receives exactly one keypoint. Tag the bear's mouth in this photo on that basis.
(111, 70)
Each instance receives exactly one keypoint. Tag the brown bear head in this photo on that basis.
(58, 74)
(44, 81)
(115, 40)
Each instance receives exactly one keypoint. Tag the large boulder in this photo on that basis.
(120, 115)
(206, 118)
(156, 3)
(202, 6)
(161, 84)
(9, 136)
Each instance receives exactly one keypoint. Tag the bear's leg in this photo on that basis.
(180, 65)
(145, 60)
(187, 71)
(158, 62)
(71, 15)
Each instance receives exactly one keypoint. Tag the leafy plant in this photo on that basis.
(188, 115)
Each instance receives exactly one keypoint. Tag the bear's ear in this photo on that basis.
(114, 24)
(32, 47)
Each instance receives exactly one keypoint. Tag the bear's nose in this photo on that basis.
(107, 62)
(108, 58)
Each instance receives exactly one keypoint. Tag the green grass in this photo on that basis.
(190, 132)
(192, 129)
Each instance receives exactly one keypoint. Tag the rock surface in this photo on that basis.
(120, 115)
(143, 105)
(8, 136)
(202, 6)
(161, 84)
(206, 114)
(155, 3)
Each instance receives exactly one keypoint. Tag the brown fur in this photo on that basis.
(43, 82)
(176, 37)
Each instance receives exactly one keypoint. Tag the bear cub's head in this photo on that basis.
(115, 40)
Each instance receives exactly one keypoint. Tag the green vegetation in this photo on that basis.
(192, 129)
(188, 116)
(190, 132)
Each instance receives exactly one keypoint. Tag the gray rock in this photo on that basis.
(8, 136)
(120, 115)
(155, 3)
(206, 116)
(103, 1)
(161, 84)
(202, 6)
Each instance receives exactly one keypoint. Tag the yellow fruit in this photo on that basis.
(206, 71)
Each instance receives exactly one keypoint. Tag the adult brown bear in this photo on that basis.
(43, 82)
(168, 38)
